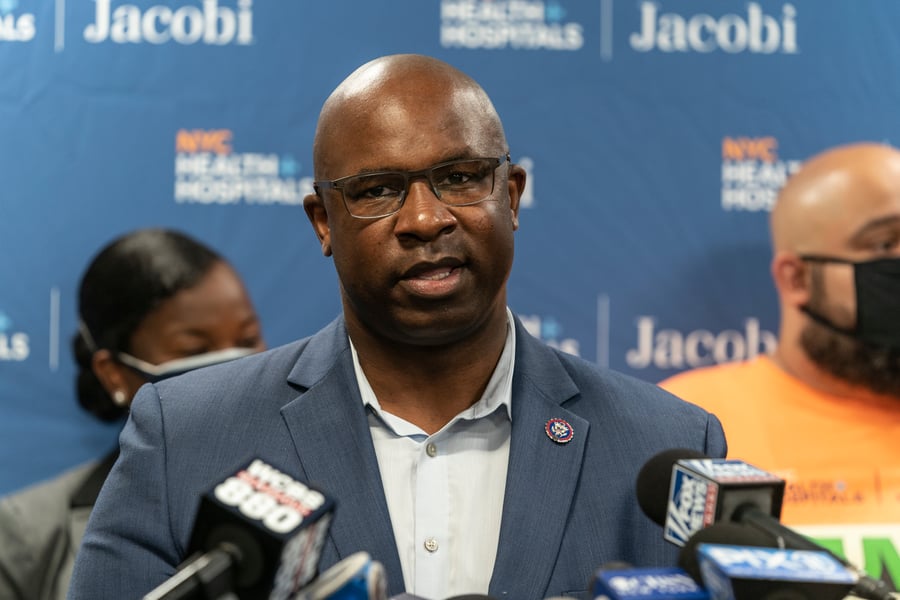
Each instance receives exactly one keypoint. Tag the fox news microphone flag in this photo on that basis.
(684, 491)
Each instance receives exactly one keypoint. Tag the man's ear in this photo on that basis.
(792, 278)
(318, 217)
(515, 188)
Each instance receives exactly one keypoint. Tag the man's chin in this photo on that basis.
(872, 368)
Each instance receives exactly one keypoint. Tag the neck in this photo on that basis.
(429, 385)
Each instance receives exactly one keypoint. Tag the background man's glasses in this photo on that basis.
(456, 183)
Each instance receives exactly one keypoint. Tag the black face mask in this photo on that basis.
(877, 285)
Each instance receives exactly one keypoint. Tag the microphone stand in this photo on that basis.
(205, 576)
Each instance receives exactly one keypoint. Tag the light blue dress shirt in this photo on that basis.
(445, 491)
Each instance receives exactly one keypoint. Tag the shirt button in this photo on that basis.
(431, 544)
(431, 450)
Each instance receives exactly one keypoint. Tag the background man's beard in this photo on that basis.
(876, 369)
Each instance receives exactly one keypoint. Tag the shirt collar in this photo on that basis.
(497, 394)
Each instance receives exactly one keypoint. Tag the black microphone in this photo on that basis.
(684, 490)
(257, 535)
(702, 490)
(737, 562)
(719, 533)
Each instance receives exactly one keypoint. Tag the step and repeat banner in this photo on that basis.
(655, 133)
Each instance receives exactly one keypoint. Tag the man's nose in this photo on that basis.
(423, 214)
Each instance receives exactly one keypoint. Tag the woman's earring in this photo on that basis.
(119, 398)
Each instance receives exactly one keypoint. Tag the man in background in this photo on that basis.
(823, 411)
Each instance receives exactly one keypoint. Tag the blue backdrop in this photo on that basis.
(655, 135)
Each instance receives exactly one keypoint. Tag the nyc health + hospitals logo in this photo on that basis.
(15, 25)
(753, 173)
(13, 344)
(209, 171)
(508, 24)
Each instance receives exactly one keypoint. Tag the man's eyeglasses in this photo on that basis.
(456, 182)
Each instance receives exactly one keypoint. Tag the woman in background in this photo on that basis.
(152, 304)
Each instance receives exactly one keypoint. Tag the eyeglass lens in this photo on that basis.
(457, 183)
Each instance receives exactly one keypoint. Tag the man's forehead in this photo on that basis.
(407, 125)
(837, 195)
(851, 218)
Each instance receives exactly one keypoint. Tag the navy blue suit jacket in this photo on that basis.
(568, 508)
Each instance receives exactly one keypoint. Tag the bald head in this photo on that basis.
(401, 87)
(834, 196)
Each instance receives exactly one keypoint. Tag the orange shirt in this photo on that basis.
(840, 456)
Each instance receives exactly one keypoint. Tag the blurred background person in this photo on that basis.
(152, 304)
(824, 410)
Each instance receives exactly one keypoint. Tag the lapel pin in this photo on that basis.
(559, 431)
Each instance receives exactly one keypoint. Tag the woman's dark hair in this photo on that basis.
(126, 281)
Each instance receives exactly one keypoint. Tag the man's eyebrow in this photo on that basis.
(874, 224)
(389, 169)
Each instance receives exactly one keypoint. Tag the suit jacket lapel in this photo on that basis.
(542, 475)
(329, 427)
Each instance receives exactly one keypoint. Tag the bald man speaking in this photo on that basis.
(823, 411)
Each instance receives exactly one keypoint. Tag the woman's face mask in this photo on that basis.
(877, 285)
(170, 368)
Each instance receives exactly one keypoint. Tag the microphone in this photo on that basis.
(742, 573)
(356, 577)
(619, 581)
(719, 533)
(703, 490)
(737, 562)
(257, 535)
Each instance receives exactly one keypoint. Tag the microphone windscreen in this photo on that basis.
(654, 478)
(275, 523)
